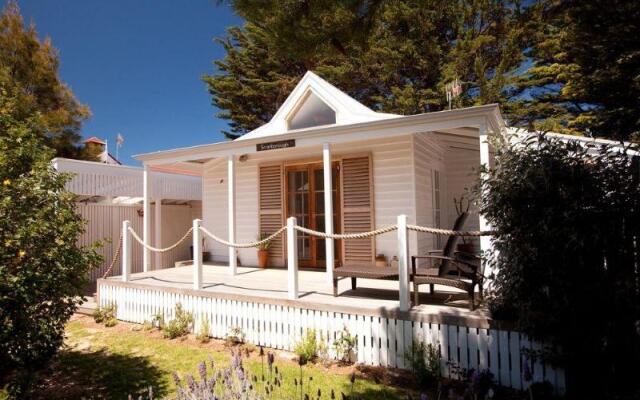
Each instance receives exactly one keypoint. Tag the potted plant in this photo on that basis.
(263, 251)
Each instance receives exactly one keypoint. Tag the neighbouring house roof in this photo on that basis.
(325, 98)
(94, 139)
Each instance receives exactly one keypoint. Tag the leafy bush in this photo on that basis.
(424, 361)
(106, 315)
(235, 336)
(566, 265)
(205, 327)
(344, 345)
(42, 270)
(179, 326)
(307, 348)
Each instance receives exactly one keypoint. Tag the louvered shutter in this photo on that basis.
(357, 209)
(271, 206)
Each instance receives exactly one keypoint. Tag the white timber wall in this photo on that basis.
(104, 224)
(393, 183)
(381, 341)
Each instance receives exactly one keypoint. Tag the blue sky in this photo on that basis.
(137, 65)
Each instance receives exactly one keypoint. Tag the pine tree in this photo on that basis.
(29, 72)
(393, 56)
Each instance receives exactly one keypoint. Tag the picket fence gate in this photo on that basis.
(381, 341)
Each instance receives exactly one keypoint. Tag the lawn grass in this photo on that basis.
(111, 363)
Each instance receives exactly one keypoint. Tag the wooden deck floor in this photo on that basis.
(371, 296)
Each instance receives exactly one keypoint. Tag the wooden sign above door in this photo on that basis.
(282, 144)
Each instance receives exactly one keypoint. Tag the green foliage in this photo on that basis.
(307, 348)
(568, 227)
(424, 361)
(42, 270)
(205, 328)
(344, 345)
(106, 315)
(265, 245)
(393, 56)
(235, 336)
(180, 325)
(584, 69)
(29, 73)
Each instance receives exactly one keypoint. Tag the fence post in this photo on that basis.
(197, 255)
(126, 251)
(292, 259)
(403, 263)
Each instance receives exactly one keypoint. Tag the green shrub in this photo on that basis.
(307, 348)
(568, 248)
(235, 336)
(43, 271)
(344, 345)
(179, 326)
(106, 315)
(205, 327)
(424, 361)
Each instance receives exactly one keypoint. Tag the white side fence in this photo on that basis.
(381, 340)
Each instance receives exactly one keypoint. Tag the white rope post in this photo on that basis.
(328, 209)
(157, 211)
(126, 251)
(403, 262)
(292, 259)
(197, 255)
(485, 241)
(231, 182)
(146, 218)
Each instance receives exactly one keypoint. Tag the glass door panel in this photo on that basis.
(299, 207)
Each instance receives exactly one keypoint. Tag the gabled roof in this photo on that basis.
(347, 109)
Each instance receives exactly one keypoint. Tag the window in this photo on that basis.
(312, 112)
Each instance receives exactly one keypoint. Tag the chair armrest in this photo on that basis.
(434, 252)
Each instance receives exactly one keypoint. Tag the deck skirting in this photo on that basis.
(382, 340)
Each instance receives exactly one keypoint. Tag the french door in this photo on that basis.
(305, 200)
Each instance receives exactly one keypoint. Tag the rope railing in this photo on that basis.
(243, 245)
(158, 249)
(116, 255)
(448, 232)
(356, 235)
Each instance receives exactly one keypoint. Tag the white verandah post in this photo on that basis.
(231, 178)
(146, 218)
(197, 255)
(485, 241)
(292, 259)
(158, 234)
(403, 263)
(328, 209)
(126, 251)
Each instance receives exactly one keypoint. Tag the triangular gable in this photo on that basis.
(313, 93)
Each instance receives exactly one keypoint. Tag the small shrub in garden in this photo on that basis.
(344, 345)
(203, 333)
(106, 315)
(235, 336)
(307, 348)
(179, 326)
(424, 361)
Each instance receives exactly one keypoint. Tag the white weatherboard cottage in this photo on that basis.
(383, 165)
(380, 168)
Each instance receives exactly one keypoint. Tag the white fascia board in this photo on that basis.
(450, 119)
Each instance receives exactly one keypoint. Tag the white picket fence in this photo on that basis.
(381, 341)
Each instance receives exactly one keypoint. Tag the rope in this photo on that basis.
(447, 232)
(116, 255)
(358, 235)
(243, 245)
(156, 249)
